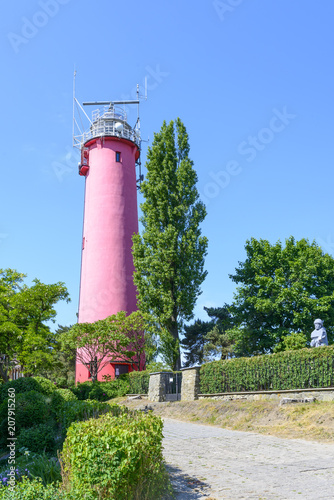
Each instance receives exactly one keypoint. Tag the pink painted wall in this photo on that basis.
(82, 372)
(110, 220)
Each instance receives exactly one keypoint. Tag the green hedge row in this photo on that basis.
(139, 382)
(300, 369)
(102, 391)
(75, 411)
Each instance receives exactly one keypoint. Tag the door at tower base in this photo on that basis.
(113, 370)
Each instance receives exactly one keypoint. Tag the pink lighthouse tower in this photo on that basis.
(110, 150)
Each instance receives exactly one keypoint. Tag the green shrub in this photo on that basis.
(32, 490)
(291, 342)
(46, 468)
(45, 385)
(297, 369)
(74, 411)
(115, 457)
(118, 387)
(139, 382)
(64, 382)
(38, 438)
(58, 398)
(27, 384)
(102, 391)
(31, 408)
(82, 390)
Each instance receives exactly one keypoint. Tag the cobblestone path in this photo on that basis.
(210, 462)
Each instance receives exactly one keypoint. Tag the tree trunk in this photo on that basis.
(174, 331)
(94, 370)
(177, 366)
(4, 373)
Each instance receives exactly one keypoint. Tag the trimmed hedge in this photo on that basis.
(74, 411)
(41, 420)
(300, 369)
(139, 382)
(102, 391)
(115, 457)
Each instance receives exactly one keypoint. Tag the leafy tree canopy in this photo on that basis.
(24, 313)
(281, 290)
(169, 255)
(62, 370)
(119, 337)
(292, 342)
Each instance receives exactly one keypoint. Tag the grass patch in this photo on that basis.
(311, 421)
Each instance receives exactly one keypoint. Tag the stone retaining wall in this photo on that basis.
(190, 390)
(324, 394)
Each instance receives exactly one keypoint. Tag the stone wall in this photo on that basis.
(190, 390)
(190, 384)
(156, 388)
(326, 394)
(189, 387)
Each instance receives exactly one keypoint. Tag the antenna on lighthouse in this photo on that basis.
(108, 120)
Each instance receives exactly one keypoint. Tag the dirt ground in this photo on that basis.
(310, 421)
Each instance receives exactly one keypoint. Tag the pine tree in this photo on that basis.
(169, 255)
(194, 341)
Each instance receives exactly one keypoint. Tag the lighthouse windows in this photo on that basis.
(118, 156)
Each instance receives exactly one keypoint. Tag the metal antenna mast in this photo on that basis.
(109, 121)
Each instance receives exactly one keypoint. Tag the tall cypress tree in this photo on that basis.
(169, 255)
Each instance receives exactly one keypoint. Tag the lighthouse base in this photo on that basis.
(109, 372)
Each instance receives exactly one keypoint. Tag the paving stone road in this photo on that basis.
(207, 461)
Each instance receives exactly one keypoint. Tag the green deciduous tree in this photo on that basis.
(169, 255)
(92, 341)
(62, 370)
(24, 313)
(291, 342)
(119, 337)
(281, 290)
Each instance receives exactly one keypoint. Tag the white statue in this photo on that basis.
(319, 335)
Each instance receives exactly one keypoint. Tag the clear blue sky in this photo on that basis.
(251, 80)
